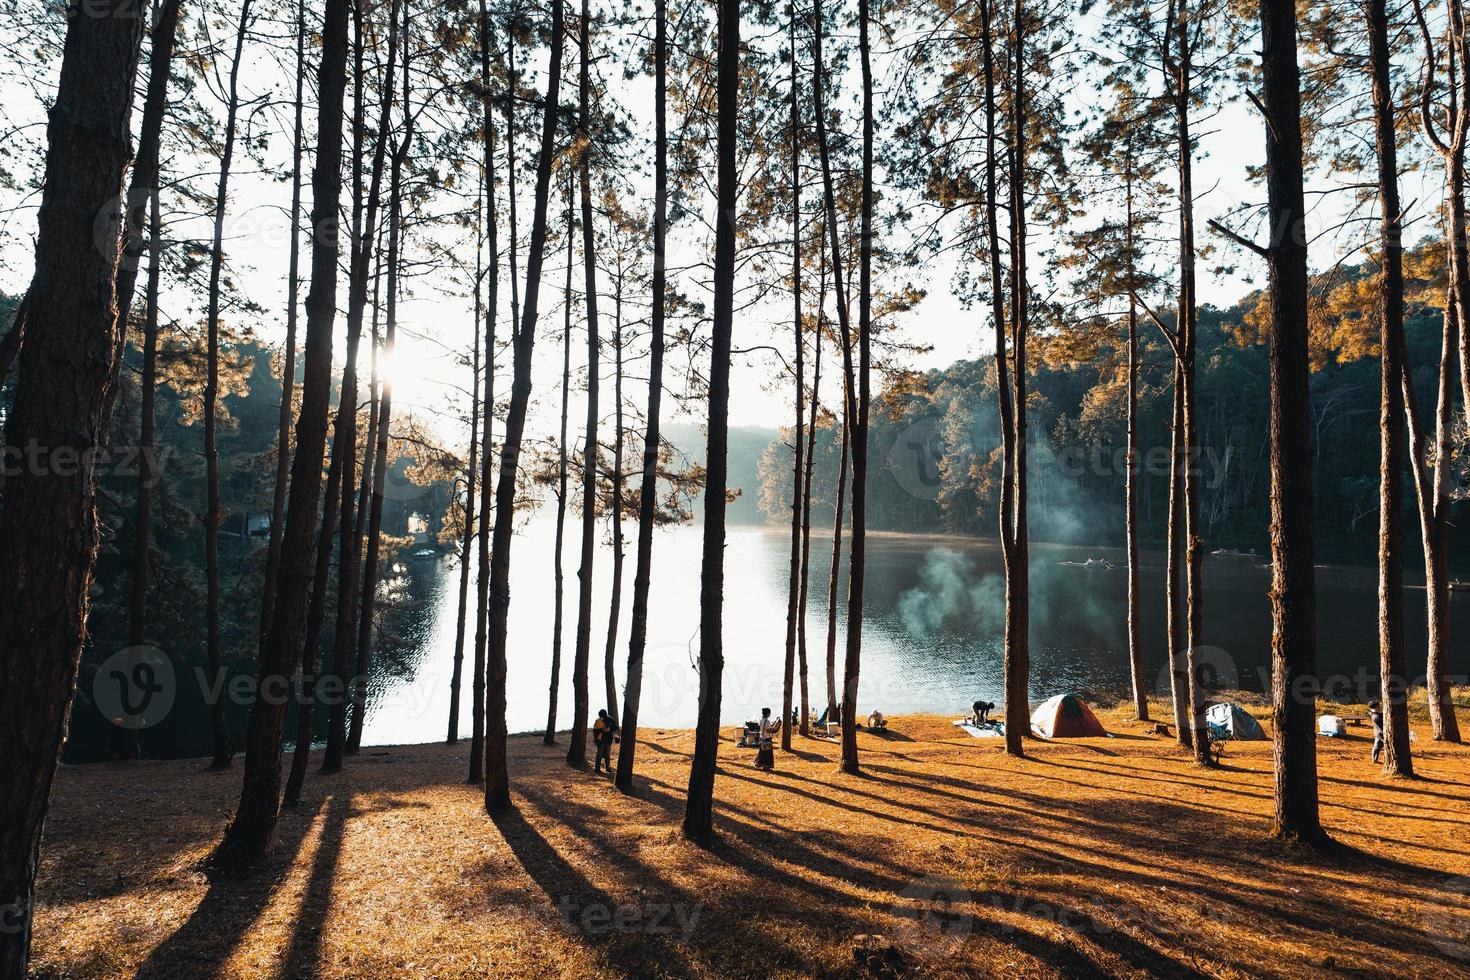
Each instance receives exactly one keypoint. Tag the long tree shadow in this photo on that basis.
(202, 945)
(734, 938)
(303, 953)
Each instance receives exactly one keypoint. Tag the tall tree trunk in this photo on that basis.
(220, 733)
(350, 512)
(699, 804)
(371, 560)
(497, 778)
(806, 527)
(849, 406)
(249, 835)
(1174, 573)
(48, 531)
(1293, 586)
(648, 485)
(512, 76)
(483, 611)
(311, 654)
(1392, 671)
(1018, 587)
(609, 677)
(1130, 491)
(793, 591)
(1432, 483)
(835, 569)
(311, 657)
(1004, 394)
(559, 583)
(144, 193)
(288, 363)
(857, 558)
(577, 750)
(1187, 326)
(467, 544)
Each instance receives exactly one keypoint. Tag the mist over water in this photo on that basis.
(932, 638)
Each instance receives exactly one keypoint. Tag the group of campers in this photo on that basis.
(1226, 721)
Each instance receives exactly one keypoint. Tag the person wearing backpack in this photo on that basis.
(603, 732)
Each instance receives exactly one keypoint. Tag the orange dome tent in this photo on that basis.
(1065, 716)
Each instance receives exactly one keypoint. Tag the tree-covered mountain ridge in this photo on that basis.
(936, 434)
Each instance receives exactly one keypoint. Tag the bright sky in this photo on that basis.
(436, 316)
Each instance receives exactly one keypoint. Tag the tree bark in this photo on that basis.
(311, 656)
(1431, 482)
(849, 406)
(793, 592)
(1130, 490)
(699, 804)
(1434, 501)
(577, 750)
(345, 634)
(497, 779)
(1293, 587)
(806, 530)
(1187, 326)
(467, 544)
(1018, 588)
(370, 569)
(288, 363)
(512, 76)
(1393, 682)
(144, 193)
(648, 487)
(857, 557)
(1174, 573)
(1018, 720)
(559, 584)
(48, 532)
(220, 733)
(483, 611)
(249, 835)
(609, 677)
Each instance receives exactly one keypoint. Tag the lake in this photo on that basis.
(931, 637)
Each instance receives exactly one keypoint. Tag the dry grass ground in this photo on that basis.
(1092, 857)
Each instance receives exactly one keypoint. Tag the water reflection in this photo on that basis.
(932, 636)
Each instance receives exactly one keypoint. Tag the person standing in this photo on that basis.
(603, 732)
(765, 756)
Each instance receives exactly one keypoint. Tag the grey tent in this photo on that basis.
(1230, 720)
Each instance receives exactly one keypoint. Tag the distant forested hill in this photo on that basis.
(747, 446)
(934, 450)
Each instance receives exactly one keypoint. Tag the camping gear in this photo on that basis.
(1065, 716)
(750, 738)
(1331, 725)
(994, 730)
(1233, 722)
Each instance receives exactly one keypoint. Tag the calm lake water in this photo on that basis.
(931, 637)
